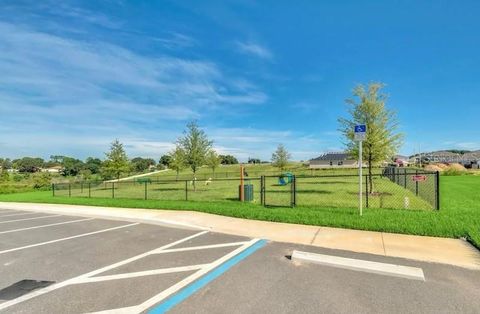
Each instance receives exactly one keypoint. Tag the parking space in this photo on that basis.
(269, 282)
(67, 264)
(88, 265)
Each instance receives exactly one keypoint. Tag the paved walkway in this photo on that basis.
(430, 249)
(138, 176)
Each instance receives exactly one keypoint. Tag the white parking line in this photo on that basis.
(201, 247)
(23, 219)
(140, 256)
(80, 278)
(360, 265)
(67, 238)
(44, 226)
(143, 273)
(22, 214)
(181, 284)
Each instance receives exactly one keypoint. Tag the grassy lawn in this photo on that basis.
(253, 170)
(459, 217)
(329, 192)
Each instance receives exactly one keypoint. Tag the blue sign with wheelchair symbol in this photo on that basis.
(361, 128)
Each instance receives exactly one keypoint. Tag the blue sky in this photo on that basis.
(76, 75)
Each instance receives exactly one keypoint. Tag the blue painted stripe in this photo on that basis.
(203, 281)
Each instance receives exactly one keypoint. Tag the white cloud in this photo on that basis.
(58, 88)
(254, 49)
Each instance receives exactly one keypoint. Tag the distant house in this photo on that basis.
(54, 169)
(331, 160)
(401, 161)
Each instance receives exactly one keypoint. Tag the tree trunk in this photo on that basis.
(178, 170)
(194, 181)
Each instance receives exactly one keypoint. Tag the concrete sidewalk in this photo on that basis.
(430, 249)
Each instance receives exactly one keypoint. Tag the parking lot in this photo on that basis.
(52, 263)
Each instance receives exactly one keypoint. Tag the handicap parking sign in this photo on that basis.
(360, 132)
(361, 128)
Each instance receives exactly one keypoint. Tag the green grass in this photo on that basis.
(253, 170)
(459, 216)
(331, 192)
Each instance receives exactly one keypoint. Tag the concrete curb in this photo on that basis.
(360, 265)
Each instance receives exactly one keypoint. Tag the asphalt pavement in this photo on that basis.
(51, 263)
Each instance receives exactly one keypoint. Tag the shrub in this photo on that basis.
(42, 181)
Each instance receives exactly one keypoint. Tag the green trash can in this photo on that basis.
(248, 192)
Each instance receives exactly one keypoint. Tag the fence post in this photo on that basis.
(145, 190)
(89, 189)
(437, 190)
(416, 184)
(294, 188)
(53, 189)
(81, 187)
(366, 191)
(186, 190)
(405, 178)
(261, 190)
(113, 189)
(69, 190)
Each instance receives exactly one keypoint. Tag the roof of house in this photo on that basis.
(55, 167)
(333, 156)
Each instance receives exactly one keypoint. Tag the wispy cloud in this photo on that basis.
(52, 83)
(175, 40)
(254, 49)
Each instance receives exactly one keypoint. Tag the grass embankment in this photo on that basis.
(459, 216)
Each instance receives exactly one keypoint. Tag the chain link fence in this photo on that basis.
(174, 190)
(424, 184)
(392, 188)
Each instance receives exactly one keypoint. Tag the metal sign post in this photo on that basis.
(360, 135)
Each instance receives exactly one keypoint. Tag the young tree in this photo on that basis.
(177, 159)
(280, 157)
(382, 142)
(195, 145)
(213, 161)
(117, 161)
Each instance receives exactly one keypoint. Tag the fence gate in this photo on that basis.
(278, 191)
